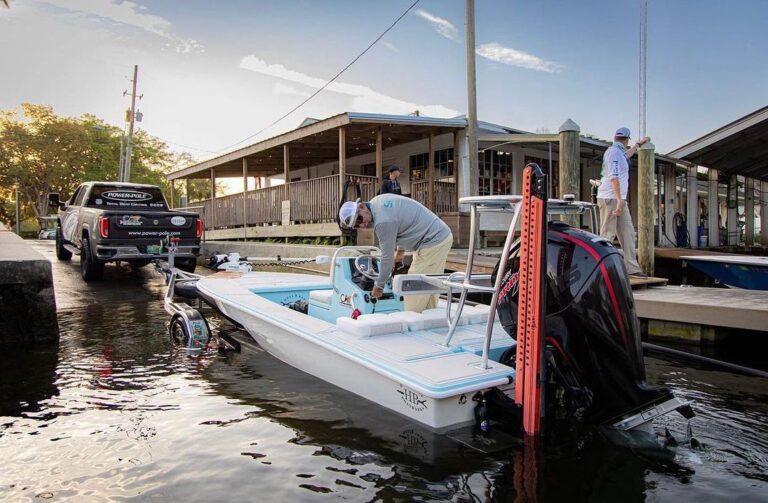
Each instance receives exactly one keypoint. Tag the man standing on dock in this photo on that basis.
(615, 219)
(400, 224)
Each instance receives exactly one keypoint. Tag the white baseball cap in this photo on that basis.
(348, 214)
(623, 132)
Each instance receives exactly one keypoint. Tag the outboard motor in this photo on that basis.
(594, 351)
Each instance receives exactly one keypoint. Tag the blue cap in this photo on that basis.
(623, 132)
(348, 214)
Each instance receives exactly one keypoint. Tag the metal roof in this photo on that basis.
(738, 148)
(317, 142)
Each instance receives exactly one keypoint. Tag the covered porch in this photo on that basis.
(293, 183)
(729, 169)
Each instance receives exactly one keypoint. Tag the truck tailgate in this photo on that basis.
(151, 225)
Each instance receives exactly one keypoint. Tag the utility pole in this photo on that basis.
(131, 120)
(121, 162)
(643, 64)
(471, 101)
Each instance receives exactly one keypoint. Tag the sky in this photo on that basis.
(213, 74)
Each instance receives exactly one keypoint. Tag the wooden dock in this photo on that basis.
(676, 253)
(714, 307)
(485, 260)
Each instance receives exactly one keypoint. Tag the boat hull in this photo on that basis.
(291, 347)
(736, 274)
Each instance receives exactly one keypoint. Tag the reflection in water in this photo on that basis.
(115, 412)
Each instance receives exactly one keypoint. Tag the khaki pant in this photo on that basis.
(427, 261)
(612, 226)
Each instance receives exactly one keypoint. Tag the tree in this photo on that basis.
(42, 152)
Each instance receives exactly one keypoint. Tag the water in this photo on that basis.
(117, 413)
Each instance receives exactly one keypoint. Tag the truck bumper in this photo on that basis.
(105, 252)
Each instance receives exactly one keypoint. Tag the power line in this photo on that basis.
(327, 83)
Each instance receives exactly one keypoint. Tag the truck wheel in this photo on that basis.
(61, 252)
(186, 265)
(90, 268)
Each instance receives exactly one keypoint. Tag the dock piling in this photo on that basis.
(569, 169)
(645, 205)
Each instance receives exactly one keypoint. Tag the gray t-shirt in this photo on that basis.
(401, 221)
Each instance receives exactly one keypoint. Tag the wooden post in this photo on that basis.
(213, 199)
(692, 206)
(456, 171)
(431, 172)
(646, 161)
(379, 155)
(188, 183)
(713, 209)
(733, 208)
(287, 170)
(570, 176)
(749, 212)
(764, 214)
(173, 193)
(245, 197)
(342, 159)
(670, 204)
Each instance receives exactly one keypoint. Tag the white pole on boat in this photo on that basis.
(497, 285)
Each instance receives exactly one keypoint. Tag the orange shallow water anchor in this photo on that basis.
(533, 260)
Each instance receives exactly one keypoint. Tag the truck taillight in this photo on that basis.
(104, 227)
(199, 228)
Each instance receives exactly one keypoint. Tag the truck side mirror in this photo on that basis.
(53, 200)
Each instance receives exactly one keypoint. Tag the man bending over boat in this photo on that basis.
(400, 224)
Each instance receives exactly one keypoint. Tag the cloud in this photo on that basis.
(442, 26)
(513, 57)
(390, 46)
(129, 14)
(364, 98)
(283, 89)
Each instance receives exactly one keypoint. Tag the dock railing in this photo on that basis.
(311, 201)
(445, 195)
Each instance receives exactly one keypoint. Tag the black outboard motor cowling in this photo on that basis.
(592, 328)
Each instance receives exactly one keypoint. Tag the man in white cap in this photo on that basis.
(615, 219)
(400, 224)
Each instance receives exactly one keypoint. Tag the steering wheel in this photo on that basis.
(368, 266)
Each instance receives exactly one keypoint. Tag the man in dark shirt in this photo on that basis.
(391, 185)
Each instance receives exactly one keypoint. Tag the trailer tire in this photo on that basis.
(177, 330)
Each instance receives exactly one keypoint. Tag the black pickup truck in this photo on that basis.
(122, 222)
